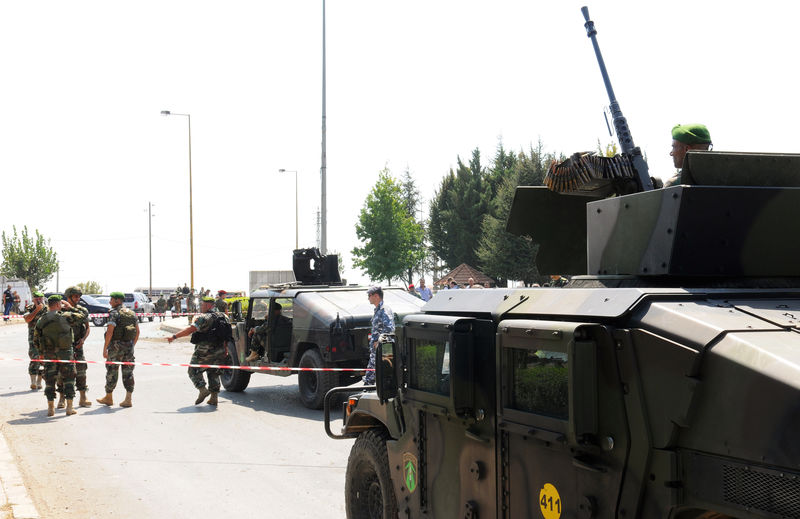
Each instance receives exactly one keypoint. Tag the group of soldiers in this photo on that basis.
(57, 332)
(59, 327)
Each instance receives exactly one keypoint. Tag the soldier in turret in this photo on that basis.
(121, 336)
(686, 137)
(52, 336)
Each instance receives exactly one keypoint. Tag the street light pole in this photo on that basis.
(296, 205)
(324, 167)
(191, 219)
(150, 244)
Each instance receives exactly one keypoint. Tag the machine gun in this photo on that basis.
(589, 173)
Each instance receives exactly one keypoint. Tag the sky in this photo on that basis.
(410, 85)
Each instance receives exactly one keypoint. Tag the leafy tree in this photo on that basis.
(391, 238)
(90, 287)
(29, 258)
(412, 201)
(457, 211)
(503, 255)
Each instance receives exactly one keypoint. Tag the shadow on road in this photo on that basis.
(37, 417)
(17, 393)
(279, 400)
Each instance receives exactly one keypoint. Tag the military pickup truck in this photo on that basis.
(322, 324)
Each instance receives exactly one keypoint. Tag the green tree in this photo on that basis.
(391, 238)
(457, 212)
(29, 258)
(503, 255)
(90, 287)
(412, 201)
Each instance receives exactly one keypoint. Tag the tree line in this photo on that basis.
(466, 220)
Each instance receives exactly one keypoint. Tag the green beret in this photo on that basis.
(54, 298)
(72, 290)
(117, 295)
(208, 299)
(38, 294)
(691, 134)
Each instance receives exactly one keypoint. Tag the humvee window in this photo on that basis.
(539, 382)
(260, 307)
(430, 365)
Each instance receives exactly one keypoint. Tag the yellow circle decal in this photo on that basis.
(550, 502)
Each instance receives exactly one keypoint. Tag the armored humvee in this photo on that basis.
(323, 325)
(664, 382)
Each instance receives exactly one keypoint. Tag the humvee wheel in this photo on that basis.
(234, 380)
(368, 485)
(314, 384)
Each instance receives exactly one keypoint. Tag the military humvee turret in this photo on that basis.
(324, 325)
(662, 383)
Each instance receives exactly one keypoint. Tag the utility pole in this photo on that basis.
(150, 245)
(323, 169)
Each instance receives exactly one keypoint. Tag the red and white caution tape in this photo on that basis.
(142, 314)
(186, 365)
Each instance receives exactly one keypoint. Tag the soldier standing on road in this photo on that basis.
(191, 307)
(33, 312)
(161, 307)
(52, 336)
(210, 332)
(121, 336)
(80, 332)
(177, 308)
(382, 322)
(15, 306)
(8, 302)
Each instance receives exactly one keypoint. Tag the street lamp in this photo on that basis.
(191, 221)
(296, 241)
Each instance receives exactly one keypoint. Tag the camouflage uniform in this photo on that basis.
(34, 368)
(57, 350)
(191, 307)
(382, 322)
(79, 328)
(120, 349)
(161, 307)
(207, 351)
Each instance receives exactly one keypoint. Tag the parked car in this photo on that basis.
(95, 306)
(140, 303)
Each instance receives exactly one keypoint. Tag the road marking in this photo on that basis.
(12, 489)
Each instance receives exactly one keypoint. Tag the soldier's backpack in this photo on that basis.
(125, 329)
(219, 333)
(55, 331)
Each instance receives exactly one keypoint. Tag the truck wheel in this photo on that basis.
(234, 380)
(314, 384)
(368, 489)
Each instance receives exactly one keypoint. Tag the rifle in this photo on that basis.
(620, 123)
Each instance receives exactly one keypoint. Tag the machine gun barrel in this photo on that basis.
(620, 123)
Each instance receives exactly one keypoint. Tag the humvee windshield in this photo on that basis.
(430, 365)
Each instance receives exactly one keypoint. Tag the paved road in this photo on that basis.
(259, 454)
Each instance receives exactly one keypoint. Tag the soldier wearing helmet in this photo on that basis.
(33, 312)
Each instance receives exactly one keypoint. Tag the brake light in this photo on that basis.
(136, 305)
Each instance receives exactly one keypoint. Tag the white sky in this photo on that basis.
(410, 84)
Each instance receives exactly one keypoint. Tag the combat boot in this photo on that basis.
(70, 410)
(33, 382)
(202, 395)
(253, 356)
(107, 400)
(51, 408)
(127, 402)
(213, 399)
(84, 402)
(39, 381)
(60, 401)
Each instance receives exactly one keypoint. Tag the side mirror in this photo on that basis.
(385, 372)
(236, 311)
